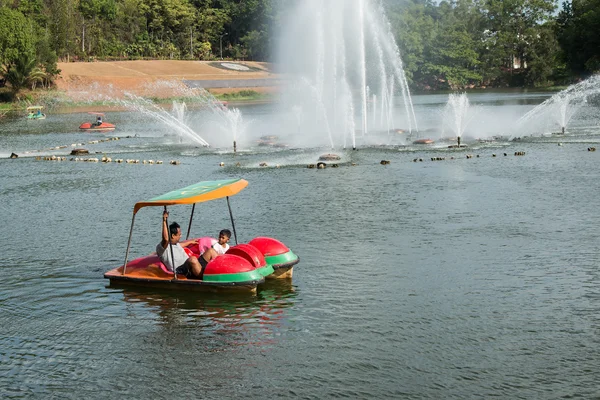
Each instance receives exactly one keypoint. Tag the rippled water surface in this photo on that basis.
(461, 278)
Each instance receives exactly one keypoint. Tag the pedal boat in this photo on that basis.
(423, 141)
(35, 112)
(242, 268)
(94, 127)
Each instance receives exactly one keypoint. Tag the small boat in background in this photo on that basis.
(98, 126)
(35, 112)
(423, 141)
(329, 157)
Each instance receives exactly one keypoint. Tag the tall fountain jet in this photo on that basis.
(457, 115)
(335, 54)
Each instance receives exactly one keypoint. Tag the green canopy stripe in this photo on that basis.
(196, 189)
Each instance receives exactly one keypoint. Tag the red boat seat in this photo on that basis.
(164, 268)
(269, 246)
(228, 264)
(249, 253)
(144, 262)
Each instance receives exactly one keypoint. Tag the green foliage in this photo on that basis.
(454, 60)
(243, 95)
(470, 43)
(203, 51)
(16, 36)
(256, 43)
(544, 58)
(577, 30)
(6, 96)
(23, 72)
(26, 54)
(447, 44)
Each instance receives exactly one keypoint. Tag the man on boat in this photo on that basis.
(190, 266)
(99, 120)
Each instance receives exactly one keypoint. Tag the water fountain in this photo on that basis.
(224, 126)
(232, 122)
(560, 108)
(194, 117)
(457, 115)
(174, 122)
(567, 106)
(340, 56)
(179, 108)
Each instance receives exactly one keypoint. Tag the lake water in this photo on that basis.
(461, 278)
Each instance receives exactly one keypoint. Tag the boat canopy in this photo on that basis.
(35, 107)
(196, 193)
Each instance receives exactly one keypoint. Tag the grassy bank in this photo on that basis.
(57, 101)
(244, 95)
(6, 107)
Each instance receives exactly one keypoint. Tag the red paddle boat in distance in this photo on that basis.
(98, 125)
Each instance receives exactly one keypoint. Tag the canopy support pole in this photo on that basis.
(190, 224)
(232, 223)
(171, 247)
(128, 244)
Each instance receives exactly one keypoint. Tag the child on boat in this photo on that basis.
(222, 246)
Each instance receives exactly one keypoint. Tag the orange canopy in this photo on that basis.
(196, 193)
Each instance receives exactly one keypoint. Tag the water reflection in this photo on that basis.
(224, 319)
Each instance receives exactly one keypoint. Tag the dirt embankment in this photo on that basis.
(163, 78)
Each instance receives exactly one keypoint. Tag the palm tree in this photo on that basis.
(37, 76)
(24, 72)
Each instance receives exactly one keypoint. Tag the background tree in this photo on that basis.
(210, 25)
(454, 58)
(447, 44)
(517, 26)
(95, 14)
(544, 57)
(415, 28)
(251, 26)
(577, 30)
(63, 23)
(23, 72)
(16, 36)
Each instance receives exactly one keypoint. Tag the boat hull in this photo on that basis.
(278, 255)
(104, 127)
(282, 273)
(153, 276)
(423, 141)
(283, 265)
(242, 268)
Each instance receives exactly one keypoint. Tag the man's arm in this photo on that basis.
(165, 230)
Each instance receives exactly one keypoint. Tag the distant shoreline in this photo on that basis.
(139, 77)
(150, 78)
(17, 109)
